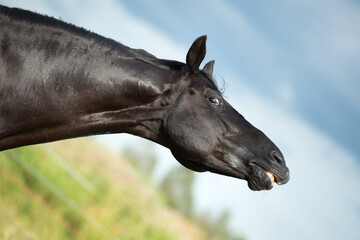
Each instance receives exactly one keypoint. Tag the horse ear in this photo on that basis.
(209, 67)
(196, 54)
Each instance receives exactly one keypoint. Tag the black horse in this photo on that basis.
(59, 81)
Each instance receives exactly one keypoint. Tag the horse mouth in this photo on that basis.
(262, 179)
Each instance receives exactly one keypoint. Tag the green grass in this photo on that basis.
(76, 189)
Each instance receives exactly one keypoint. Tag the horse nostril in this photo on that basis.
(277, 157)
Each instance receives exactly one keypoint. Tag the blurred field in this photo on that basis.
(77, 189)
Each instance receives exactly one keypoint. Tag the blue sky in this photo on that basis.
(291, 68)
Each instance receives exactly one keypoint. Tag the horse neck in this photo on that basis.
(70, 86)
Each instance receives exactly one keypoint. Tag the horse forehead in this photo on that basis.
(202, 81)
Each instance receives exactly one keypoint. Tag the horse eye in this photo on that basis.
(214, 100)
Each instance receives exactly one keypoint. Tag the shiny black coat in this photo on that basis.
(58, 81)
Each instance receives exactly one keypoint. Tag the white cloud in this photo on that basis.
(321, 201)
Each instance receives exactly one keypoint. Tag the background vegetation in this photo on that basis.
(77, 189)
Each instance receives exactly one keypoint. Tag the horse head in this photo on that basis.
(205, 133)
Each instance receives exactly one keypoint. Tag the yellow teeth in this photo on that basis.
(271, 176)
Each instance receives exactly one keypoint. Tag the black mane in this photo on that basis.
(44, 20)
